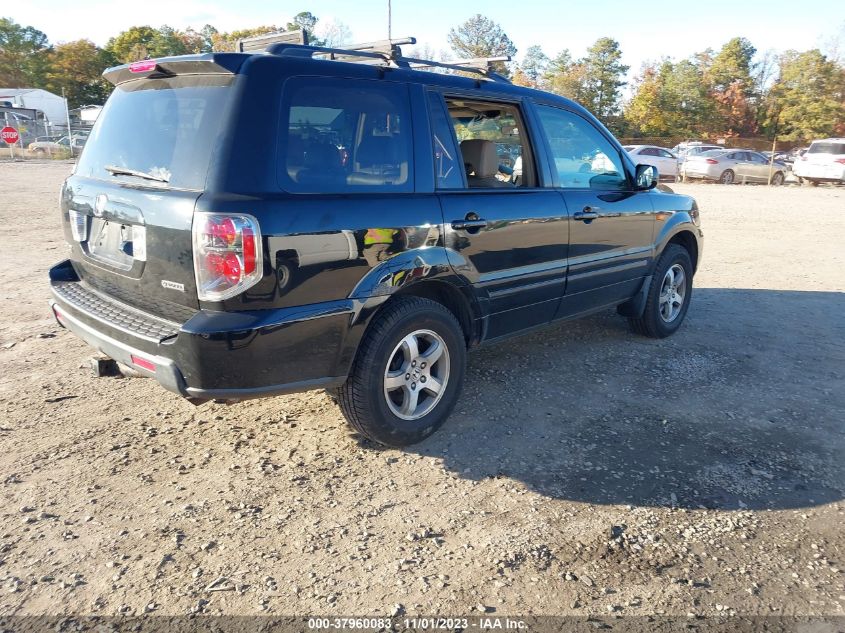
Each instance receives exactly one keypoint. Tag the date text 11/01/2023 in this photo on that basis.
(419, 623)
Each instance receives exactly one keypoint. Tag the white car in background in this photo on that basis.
(666, 162)
(823, 162)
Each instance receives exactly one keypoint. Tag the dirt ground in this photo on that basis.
(586, 470)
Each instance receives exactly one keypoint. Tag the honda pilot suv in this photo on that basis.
(247, 225)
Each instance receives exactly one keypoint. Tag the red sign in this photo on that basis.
(10, 135)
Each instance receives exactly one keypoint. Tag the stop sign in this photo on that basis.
(9, 134)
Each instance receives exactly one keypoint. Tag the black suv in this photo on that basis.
(245, 225)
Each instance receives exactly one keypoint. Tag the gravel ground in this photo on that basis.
(586, 470)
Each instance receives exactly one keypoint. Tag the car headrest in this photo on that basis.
(480, 157)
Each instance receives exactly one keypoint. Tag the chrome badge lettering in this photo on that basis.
(172, 285)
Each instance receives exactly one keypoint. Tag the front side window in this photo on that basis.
(345, 136)
(492, 144)
(583, 157)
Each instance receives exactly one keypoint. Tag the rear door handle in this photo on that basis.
(587, 214)
(469, 223)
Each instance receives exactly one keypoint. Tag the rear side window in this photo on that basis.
(827, 148)
(167, 128)
(345, 136)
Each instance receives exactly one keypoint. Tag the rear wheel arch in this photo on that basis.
(451, 298)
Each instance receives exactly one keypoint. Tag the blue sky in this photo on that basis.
(646, 29)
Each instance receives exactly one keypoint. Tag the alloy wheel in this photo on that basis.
(416, 375)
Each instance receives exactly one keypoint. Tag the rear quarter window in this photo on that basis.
(345, 136)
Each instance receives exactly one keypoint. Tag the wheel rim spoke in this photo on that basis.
(434, 385)
(433, 353)
(410, 401)
(394, 380)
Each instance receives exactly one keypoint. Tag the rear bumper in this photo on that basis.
(831, 173)
(213, 355)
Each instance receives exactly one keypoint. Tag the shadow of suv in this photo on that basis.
(244, 225)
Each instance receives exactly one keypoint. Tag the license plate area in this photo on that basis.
(118, 245)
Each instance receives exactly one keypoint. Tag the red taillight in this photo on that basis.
(144, 66)
(711, 161)
(227, 254)
(841, 161)
(143, 363)
(249, 251)
(225, 231)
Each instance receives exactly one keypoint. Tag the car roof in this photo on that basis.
(241, 63)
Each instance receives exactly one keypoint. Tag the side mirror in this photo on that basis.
(647, 177)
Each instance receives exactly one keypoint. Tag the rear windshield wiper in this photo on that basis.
(114, 170)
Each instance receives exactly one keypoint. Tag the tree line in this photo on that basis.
(731, 91)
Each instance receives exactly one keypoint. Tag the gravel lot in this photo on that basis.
(587, 471)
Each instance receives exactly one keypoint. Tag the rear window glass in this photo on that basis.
(167, 128)
(345, 136)
(713, 152)
(827, 148)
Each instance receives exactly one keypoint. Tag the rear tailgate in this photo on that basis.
(128, 208)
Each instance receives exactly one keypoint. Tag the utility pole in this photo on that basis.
(67, 118)
(389, 20)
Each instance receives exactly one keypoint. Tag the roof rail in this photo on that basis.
(261, 42)
(388, 53)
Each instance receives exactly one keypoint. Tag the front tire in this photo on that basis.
(777, 179)
(408, 373)
(669, 295)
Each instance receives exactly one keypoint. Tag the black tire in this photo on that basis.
(727, 177)
(650, 323)
(778, 178)
(362, 397)
(812, 182)
(285, 274)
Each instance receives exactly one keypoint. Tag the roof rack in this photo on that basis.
(387, 53)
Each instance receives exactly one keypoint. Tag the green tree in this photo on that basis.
(534, 65)
(306, 21)
(24, 54)
(208, 32)
(808, 98)
(133, 44)
(77, 67)
(480, 36)
(604, 78)
(732, 83)
(671, 99)
(566, 77)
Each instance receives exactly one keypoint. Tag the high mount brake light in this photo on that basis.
(144, 66)
(227, 254)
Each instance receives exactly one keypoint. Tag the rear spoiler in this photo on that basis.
(205, 64)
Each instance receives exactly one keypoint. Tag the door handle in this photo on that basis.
(586, 215)
(472, 221)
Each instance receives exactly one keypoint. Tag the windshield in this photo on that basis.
(164, 127)
(827, 148)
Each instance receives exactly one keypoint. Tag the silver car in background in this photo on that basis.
(733, 165)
